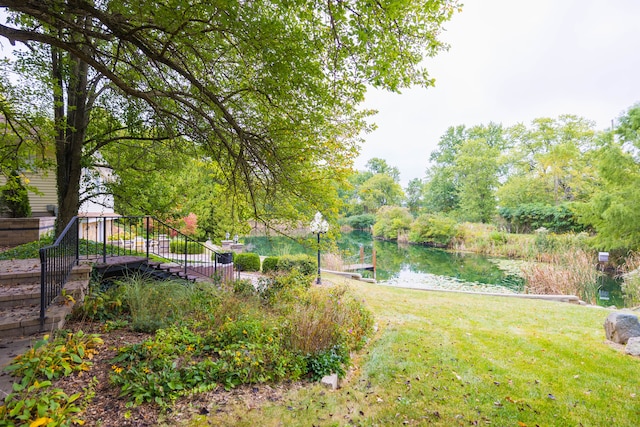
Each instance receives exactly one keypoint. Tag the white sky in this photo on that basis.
(512, 61)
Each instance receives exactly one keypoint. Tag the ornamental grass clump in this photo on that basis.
(326, 318)
(570, 273)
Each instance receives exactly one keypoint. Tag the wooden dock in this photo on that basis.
(354, 267)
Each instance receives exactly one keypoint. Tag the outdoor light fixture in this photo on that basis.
(319, 226)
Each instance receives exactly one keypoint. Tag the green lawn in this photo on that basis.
(449, 359)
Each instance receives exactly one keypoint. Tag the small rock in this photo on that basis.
(633, 346)
(330, 381)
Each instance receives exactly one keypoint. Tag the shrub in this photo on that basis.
(243, 287)
(327, 362)
(178, 247)
(101, 305)
(325, 318)
(280, 289)
(270, 264)
(531, 216)
(248, 261)
(498, 237)
(433, 229)
(546, 242)
(361, 222)
(391, 221)
(305, 264)
(14, 197)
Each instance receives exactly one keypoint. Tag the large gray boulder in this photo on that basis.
(619, 327)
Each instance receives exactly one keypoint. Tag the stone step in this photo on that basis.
(19, 272)
(19, 295)
(20, 299)
(27, 272)
(17, 291)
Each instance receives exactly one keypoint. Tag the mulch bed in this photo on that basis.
(108, 409)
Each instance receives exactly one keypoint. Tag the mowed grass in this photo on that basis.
(448, 359)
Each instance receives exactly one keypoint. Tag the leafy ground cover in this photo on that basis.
(166, 342)
(449, 359)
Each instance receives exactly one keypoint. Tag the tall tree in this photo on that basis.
(477, 166)
(548, 161)
(455, 181)
(415, 196)
(270, 89)
(377, 165)
(613, 210)
(380, 190)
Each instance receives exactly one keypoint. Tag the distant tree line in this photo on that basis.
(559, 174)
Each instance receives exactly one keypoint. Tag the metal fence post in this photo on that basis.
(43, 286)
(104, 240)
(147, 237)
(186, 251)
(77, 234)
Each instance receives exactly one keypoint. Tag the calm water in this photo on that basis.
(398, 263)
(418, 266)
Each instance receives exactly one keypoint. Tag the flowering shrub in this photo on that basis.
(190, 224)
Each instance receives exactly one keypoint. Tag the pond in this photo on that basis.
(420, 266)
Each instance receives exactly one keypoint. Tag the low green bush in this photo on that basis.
(328, 362)
(247, 261)
(392, 221)
(192, 248)
(270, 264)
(361, 222)
(305, 264)
(14, 197)
(102, 305)
(433, 229)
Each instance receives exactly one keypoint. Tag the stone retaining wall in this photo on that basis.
(16, 231)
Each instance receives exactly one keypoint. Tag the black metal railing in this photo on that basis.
(103, 239)
(56, 263)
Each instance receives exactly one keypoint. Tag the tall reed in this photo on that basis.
(332, 261)
(572, 272)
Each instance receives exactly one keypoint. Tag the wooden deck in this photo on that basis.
(115, 265)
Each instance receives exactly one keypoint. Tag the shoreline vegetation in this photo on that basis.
(548, 262)
(552, 263)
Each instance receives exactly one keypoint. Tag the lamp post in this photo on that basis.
(319, 226)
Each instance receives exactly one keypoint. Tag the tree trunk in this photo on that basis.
(71, 129)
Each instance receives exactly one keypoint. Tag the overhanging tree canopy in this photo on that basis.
(269, 88)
